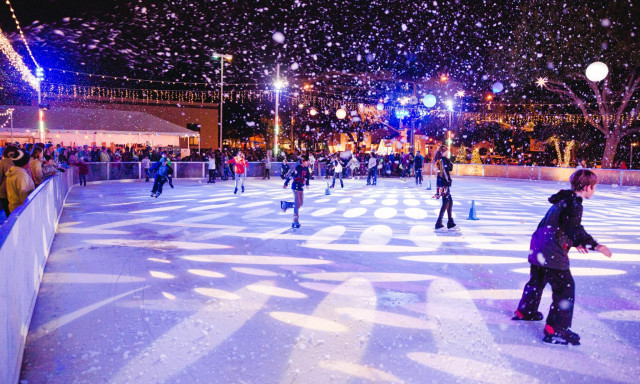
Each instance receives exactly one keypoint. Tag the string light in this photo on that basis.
(16, 61)
(8, 114)
(24, 40)
(148, 81)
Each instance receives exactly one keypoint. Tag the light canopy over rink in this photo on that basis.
(203, 286)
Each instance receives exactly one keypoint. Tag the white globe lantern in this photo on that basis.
(380, 107)
(597, 71)
(429, 100)
(313, 111)
(341, 113)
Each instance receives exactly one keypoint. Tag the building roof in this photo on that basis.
(93, 120)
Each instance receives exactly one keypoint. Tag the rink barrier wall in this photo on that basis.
(25, 241)
(191, 170)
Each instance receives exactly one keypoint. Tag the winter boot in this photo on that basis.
(560, 336)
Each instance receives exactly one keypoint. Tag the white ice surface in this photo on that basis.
(216, 287)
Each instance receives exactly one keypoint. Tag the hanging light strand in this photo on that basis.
(16, 61)
(24, 40)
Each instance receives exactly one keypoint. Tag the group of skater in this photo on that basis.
(556, 234)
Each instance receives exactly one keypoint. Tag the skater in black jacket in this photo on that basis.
(444, 166)
(300, 175)
(558, 231)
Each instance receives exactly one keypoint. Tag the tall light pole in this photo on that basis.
(222, 58)
(278, 85)
(40, 77)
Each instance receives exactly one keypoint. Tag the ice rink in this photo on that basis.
(204, 286)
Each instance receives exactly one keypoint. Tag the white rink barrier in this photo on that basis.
(195, 170)
(605, 176)
(25, 241)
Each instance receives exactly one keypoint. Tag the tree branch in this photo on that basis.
(567, 92)
(630, 89)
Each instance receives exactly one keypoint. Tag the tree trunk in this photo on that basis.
(610, 147)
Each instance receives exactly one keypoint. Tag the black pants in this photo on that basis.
(373, 176)
(157, 185)
(418, 176)
(212, 176)
(447, 204)
(83, 180)
(5, 206)
(564, 291)
(337, 175)
(267, 174)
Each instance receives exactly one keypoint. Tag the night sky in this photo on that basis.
(404, 39)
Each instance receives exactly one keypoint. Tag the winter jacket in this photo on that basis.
(5, 165)
(444, 166)
(558, 231)
(19, 186)
(300, 176)
(373, 162)
(418, 162)
(36, 170)
(241, 165)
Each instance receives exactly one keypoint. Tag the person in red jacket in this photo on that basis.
(240, 170)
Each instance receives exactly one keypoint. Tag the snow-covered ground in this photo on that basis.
(203, 286)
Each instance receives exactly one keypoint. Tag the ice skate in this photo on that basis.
(519, 316)
(440, 227)
(451, 226)
(153, 195)
(295, 225)
(284, 205)
(235, 191)
(560, 336)
(242, 188)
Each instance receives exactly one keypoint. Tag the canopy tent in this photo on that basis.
(80, 126)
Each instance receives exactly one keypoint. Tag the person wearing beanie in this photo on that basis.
(19, 181)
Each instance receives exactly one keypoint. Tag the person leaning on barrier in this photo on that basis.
(19, 181)
(5, 164)
(35, 164)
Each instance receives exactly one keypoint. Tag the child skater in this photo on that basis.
(558, 231)
(241, 166)
(300, 175)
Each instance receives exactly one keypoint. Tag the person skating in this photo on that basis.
(267, 167)
(559, 230)
(372, 166)
(418, 163)
(212, 168)
(353, 164)
(337, 170)
(300, 176)
(284, 169)
(444, 166)
(162, 170)
(240, 169)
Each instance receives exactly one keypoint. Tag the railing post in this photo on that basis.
(507, 165)
(539, 172)
(621, 179)
(203, 170)
(139, 170)
(108, 173)
(175, 170)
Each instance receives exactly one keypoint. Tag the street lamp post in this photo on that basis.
(222, 58)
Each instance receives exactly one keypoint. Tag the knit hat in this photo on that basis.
(20, 158)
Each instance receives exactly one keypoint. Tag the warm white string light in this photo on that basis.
(24, 40)
(8, 113)
(16, 61)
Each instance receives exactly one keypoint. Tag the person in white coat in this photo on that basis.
(19, 181)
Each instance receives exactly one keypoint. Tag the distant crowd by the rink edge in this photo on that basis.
(45, 160)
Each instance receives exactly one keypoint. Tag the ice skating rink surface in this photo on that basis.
(204, 286)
